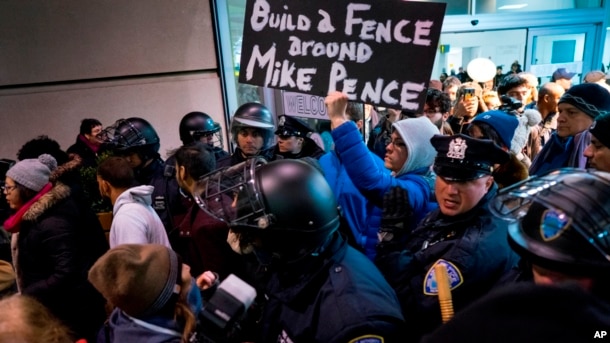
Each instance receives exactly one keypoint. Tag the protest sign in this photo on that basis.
(378, 52)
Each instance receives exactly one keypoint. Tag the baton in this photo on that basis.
(444, 292)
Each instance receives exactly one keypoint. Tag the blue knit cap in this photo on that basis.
(503, 123)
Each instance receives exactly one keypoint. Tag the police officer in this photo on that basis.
(559, 223)
(136, 139)
(252, 129)
(294, 139)
(462, 234)
(319, 289)
(200, 127)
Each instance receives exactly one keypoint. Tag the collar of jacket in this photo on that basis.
(58, 193)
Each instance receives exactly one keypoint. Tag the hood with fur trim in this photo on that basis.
(58, 193)
(416, 133)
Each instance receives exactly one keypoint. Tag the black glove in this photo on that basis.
(396, 218)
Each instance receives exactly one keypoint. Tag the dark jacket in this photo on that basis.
(338, 296)
(54, 255)
(525, 312)
(310, 149)
(80, 148)
(237, 158)
(166, 198)
(475, 246)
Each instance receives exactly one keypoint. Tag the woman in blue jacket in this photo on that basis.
(407, 161)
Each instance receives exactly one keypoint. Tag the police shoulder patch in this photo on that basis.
(553, 223)
(455, 278)
(367, 339)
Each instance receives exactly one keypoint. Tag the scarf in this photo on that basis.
(12, 224)
(554, 154)
(93, 147)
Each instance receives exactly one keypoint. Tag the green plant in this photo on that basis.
(90, 186)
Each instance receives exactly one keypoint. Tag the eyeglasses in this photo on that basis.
(8, 189)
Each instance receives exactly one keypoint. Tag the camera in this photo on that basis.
(510, 105)
(222, 313)
(474, 22)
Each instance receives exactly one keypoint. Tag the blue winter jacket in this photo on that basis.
(373, 180)
(352, 203)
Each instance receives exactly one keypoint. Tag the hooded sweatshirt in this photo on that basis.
(374, 180)
(135, 221)
(416, 133)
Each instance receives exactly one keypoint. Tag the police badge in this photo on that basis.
(457, 148)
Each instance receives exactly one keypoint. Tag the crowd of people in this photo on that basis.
(504, 184)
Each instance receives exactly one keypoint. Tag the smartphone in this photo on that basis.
(468, 93)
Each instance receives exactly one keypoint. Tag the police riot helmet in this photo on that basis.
(560, 220)
(254, 115)
(133, 135)
(197, 125)
(287, 203)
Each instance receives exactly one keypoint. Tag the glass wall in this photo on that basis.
(499, 6)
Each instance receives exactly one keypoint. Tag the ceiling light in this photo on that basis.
(512, 7)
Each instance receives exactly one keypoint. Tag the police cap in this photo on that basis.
(463, 158)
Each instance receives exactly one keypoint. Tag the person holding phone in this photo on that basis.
(469, 103)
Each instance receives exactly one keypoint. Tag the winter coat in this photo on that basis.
(55, 252)
(474, 248)
(373, 181)
(80, 148)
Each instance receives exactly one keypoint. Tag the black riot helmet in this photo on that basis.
(286, 203)
(199, 126)
(560, 220)
(133, 135)
(254, 115)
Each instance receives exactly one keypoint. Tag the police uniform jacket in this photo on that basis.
(237, 157)
(338, 296)
(166, 199)
(472, 245)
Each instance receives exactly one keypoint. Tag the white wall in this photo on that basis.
(62, 61)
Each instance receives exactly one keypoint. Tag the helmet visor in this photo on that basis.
(232, 195)
(561, 192)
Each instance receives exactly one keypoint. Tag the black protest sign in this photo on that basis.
(378, 52)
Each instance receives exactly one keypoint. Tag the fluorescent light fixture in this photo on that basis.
(512, 7)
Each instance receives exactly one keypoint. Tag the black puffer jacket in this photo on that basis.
(55, 252)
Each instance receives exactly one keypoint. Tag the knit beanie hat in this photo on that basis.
(601, 128)
(590, 98)
(33, 173)
(416, 133)
(137, 278)
(503, 123)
